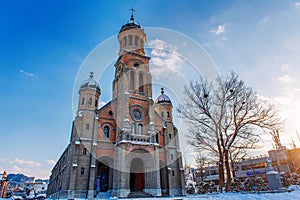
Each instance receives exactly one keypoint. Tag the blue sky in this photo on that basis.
(43, 45)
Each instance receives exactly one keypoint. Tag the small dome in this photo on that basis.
(90, 83)
(131, 24)
(163, 98)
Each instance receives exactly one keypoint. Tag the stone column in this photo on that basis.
(157, 168)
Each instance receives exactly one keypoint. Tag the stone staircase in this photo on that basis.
(139, 194)
(104, 195)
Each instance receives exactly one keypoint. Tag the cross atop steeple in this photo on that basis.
(91, 75)
(132, 11)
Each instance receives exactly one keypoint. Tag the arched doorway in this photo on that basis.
(102, 177)
(137, 175)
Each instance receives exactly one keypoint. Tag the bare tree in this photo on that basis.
(201, 161)
(224, 116)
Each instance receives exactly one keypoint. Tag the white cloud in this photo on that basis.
(27, 163)
(26, 73)
(285, 68)
(50, 162)
(286, 79)
(19, 170)
(264, 20)
(219, 30)
(297, 4)
(165, 58)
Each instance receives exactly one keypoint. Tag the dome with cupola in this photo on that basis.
(131, 24)
(90, 83)
(163, 98)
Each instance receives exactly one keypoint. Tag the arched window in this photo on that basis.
(170, 136)
(136, 41)
(141, 83)
(84, 151)
(132, 80)
(82, 101)
(87, 126)
(90, 101)
(140, 129)
(125, 41)
(82, 170)
(130, 40)
(133, 128)
(106, 131)
(96, 103)
(168, 114)
(162, 114)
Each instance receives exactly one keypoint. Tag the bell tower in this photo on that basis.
(132, 83)
(135, 132)
(84, 137)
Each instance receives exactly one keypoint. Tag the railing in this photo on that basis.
(138, 138)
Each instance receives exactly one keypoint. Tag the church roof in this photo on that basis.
(90, 83)
(163, 98)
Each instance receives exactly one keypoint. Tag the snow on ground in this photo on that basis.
(294, 195)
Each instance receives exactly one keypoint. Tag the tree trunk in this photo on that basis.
(221, 173)
(228, 171)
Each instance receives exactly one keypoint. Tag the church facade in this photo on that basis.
(130, 146)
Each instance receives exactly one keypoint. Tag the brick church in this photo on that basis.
(130, 146)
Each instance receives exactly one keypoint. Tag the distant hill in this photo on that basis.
(17, 179)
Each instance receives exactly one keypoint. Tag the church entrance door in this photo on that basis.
(102, 178)
(137, 175)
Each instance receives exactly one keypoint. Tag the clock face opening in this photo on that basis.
(136, 115)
